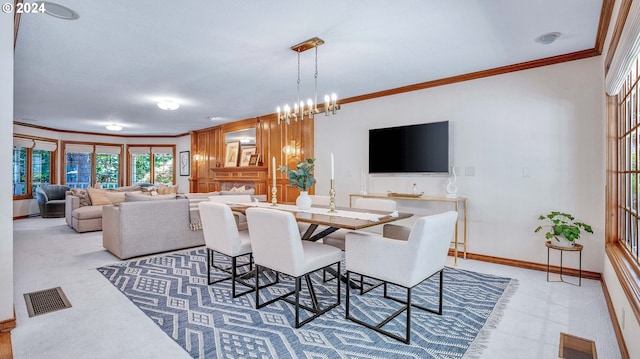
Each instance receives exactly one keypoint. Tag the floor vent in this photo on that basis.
(572, 347)
(46, 301)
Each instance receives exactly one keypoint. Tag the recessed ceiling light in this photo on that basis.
(168, 104)
(113, 127)
(547, 38)
(59, 11)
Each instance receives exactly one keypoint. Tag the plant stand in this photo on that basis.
(574, 248)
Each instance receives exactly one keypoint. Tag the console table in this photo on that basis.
(456, 201)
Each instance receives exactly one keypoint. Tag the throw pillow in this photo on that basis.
(164, 189)
(249, 191)
(117, 197)
(83, 195)
(98, 197)
(238, 189)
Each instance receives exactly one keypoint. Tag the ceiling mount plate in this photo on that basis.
(306, 45)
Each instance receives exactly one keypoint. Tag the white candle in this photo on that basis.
(274, 170)
(332, 173)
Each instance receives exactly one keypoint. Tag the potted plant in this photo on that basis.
(563, 228)
(302, 179)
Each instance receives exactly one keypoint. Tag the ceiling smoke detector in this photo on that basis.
(59, 11)
(547, 38)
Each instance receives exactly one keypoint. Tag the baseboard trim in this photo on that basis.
(529, 265)
(9, 324)
(624, 353)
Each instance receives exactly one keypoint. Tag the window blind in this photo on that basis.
(626, 52)
(108, 149)
(72, 147)
(23, 142)
(45, 145)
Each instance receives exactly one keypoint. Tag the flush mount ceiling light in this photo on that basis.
(168, 104)
(547, 38)
(59, 11)
(113, 127)
(298, 110)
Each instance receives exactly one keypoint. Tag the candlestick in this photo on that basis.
(273, 164)
(274, 196)
(332, 173)
(332, 197)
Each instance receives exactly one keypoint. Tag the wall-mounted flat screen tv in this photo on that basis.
(410, 149)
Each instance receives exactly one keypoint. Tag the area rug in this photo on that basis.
(207, 322)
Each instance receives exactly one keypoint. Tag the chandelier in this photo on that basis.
(301, 110)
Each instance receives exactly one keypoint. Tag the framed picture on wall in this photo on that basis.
(185, 163)
(231, 154)
(245, 156)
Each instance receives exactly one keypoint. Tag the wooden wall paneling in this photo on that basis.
(202, 145)
(271, 138)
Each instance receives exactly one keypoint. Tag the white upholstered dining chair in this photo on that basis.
(337, 238)
(241, 220)
(277, 245)
(221, 235)
(400, 263)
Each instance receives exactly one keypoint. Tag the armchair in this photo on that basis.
(51, 200)
(403, 263)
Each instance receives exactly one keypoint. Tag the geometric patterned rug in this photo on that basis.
(207, 322)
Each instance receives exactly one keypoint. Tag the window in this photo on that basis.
(87, 165)
(151, 165)
(628, 171)
(108, 166)
(33, 165)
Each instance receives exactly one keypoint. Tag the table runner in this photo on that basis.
(371, 217)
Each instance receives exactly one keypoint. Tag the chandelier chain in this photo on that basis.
(315, 84)
(298, 76)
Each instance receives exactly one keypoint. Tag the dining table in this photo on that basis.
(318, 215)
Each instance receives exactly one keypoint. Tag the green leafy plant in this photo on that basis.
(302, 177)
(563, 225)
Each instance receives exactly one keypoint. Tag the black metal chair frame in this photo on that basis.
(406, 307)
(232, 270)
(316, 310)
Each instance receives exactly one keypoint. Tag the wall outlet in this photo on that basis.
(469, 171)
(526, 173)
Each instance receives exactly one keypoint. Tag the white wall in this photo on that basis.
(547, 122)
(30, 206)
(183, 144)
(629, 324)
(6, 149)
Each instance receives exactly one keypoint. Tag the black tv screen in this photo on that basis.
(407, 149)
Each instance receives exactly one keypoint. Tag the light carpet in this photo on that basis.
(207, 322)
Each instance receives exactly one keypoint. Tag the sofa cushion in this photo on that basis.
(87, 212)
(133, 197)
(126, 189)
(98, 197)
(82, 195)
